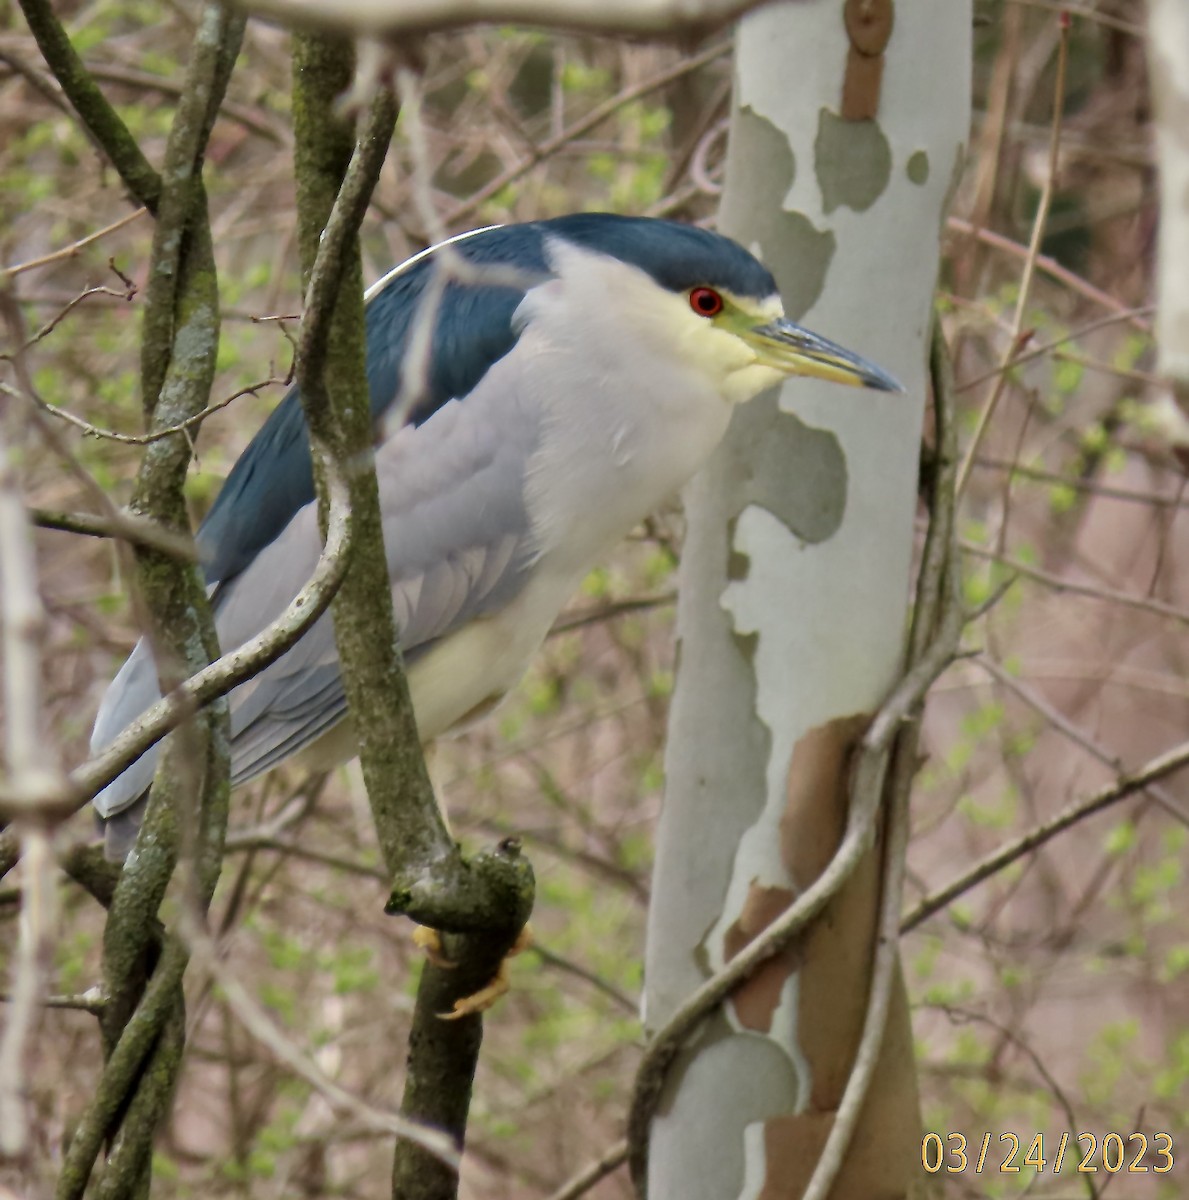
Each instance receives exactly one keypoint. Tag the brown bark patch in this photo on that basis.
(832, 989)
(756, 1000)
(793, 1144)
(837, 949)
(815, 809)
(883, 1160)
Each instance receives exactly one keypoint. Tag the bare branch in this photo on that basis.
(1055, 270)
(1079, 737)
(1126, 785)
(594, 1173)
(74, 248)
(257, 1022)
(232, 668)
(1038, 228)
(390, 19)
(188, 424)
(100, 118)
(1059, 583)
(136, 530)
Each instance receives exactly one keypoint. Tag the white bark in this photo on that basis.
(1169, 66)
(794, 589)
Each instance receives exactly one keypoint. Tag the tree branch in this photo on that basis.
(1126, 785)
(130, 529)
(485, 901)
(594, 1173)
(190, 789)
(121, 1071)
(98, 116)
(390, 19)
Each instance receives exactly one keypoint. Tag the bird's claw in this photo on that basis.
(429, 942)
(485, 997)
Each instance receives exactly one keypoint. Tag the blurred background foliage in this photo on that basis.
(1053, 997)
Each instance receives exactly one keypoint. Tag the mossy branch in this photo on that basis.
(98, 116)
(142, 1041)
(484, 902)
(331, 348)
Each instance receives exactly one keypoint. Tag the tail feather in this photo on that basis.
(119, 831)
(133, 690)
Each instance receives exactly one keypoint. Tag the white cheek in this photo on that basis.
(743, 384)
(719, 354)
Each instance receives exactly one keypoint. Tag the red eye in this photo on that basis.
(706, 302)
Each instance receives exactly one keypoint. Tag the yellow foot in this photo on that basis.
(429, 941)
(485, 997)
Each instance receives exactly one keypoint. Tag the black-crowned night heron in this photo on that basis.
(559, 408)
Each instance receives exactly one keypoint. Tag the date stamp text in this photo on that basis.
(1084, 1153)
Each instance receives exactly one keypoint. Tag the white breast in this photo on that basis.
(626, 403)
(626, 416)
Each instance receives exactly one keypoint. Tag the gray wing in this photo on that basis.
(133, 690)
(458, 543)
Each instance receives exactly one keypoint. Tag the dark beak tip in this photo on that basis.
(876, 379)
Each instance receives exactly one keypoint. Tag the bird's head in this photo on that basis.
(706, 298)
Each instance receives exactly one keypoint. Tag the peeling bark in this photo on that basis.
(755, 1002)
(1169, 64)
(791, 619)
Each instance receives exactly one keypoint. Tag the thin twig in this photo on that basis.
(1068, 729)
(90, 1001)
(1048, 347)
(580, 127)
(253, 1017)
(580, 618)
(232, 668)
(132, 529)
(75, 248)
(1126, 785)
(1052, 268)
(594, 1173)
(1038, 228)
(1086, 486)
(126, 295)
(188, 425)
(1086, 14)
(1091, 591)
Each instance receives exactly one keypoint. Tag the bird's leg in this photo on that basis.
(485, 997)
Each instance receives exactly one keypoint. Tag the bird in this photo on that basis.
(580, 369)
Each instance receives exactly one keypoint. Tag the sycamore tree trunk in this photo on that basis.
(848, 127)
(1169, 67)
